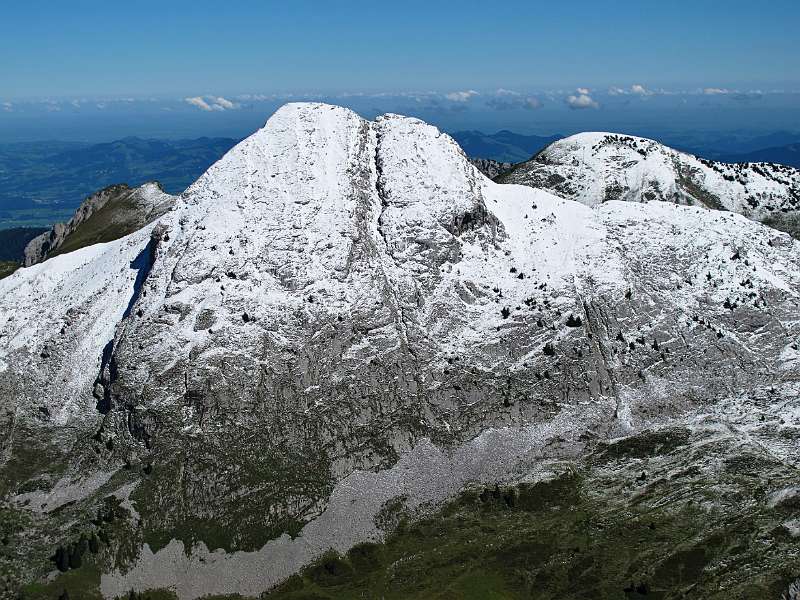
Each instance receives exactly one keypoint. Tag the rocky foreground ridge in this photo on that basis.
(343, 319)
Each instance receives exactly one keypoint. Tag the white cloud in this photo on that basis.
(513, 101)
(712, 91)
(211, 103)
(505, 92)
(532, 103)
(7, 106)
(581, 100)
(199, 103)
(225, 103)
(101, 105)
(636, 89)
(256, 97)
(461, 96)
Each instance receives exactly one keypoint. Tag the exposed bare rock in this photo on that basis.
(491, 168)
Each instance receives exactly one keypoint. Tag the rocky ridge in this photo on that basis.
(597, 167)
(111, 213)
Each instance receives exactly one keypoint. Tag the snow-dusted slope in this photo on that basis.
(596, 167)
(338, 301)
(57, 317)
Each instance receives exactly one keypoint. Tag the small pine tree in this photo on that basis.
(62, 559)
(75, 559)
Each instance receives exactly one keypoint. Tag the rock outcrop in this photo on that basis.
(105, 216)
(491, 168)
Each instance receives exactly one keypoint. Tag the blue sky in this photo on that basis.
(175, 47)
(217, 67)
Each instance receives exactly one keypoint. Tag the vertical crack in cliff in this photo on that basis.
(143, 264)
(402, 321)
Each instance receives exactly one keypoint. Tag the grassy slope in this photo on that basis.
(116, 219)
(7, 267)
(656, 516)
(553, 543)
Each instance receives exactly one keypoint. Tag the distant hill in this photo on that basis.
(752, 144)
(503, 146)
(785, 155)
(44, 182)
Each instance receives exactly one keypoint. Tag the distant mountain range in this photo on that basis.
(503, 146)
(43, 182)
(785, 155)
(715, 146)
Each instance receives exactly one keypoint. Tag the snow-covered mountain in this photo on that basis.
(107, 215)
(596, 167)
(342, 316)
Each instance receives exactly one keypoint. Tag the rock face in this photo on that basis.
(596, 167)
(107, 215)
(491, 168)
(343, 313)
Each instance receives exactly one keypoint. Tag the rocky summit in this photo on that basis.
(344, 337)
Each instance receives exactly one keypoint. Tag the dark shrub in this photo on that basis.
(365, 557)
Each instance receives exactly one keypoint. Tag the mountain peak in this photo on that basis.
(344, 314)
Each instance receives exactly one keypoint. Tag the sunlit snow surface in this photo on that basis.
(61, 314)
